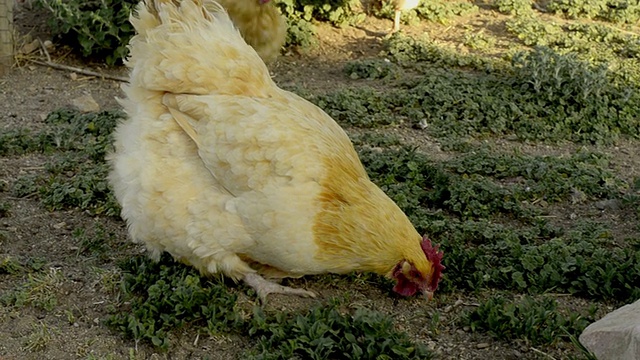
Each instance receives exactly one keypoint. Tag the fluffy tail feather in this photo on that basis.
(192, 47)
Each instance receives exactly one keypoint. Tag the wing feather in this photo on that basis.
(185, 122)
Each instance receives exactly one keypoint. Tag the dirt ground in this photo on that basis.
(84, 285)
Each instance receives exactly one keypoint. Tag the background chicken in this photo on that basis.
(261, 24)
(225, 171)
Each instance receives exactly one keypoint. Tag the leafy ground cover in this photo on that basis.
(507, 132)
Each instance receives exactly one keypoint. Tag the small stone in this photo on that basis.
(517, 354)
(85, 104)
(578, 196)
(59, 226)
(466, 328)
(73, 76)
(30, 47)
(48, 44)
(482, 345)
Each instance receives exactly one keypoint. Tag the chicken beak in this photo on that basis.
(428, 295)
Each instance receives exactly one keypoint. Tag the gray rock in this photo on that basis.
(610, 204)
(616, 336)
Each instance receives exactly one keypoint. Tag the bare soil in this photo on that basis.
(85, 287)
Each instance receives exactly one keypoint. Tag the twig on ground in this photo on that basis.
(44, 50)
(543, 353)
(79, 70)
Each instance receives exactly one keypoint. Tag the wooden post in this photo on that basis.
(6, 35)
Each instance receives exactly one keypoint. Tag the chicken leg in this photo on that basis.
(399, 6)
(396, 21)
(265, 287)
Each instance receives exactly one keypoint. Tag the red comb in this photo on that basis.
(435, 257)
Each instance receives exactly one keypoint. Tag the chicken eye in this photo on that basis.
(415, 274)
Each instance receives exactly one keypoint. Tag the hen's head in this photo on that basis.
(411, 279)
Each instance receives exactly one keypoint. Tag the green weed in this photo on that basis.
(5, 209)
(95, 242)
(78, 179)
(67, 130)
(18, 142)
(376, 139)
(425, 54)
(371, 69)
(481, 184)
(618, 11)
(107, 280)
(327, 332)
(89, 133)
(478, 40)
(595, 43)
(96, 28)
(81, 185)
(538, 259)
(18, 264)
(535, 320)
(10, 265)
(71, 182)
(39, 337)
(513, 7)
(434, 10)
(166, 295)
(535, 31)
(541, 96)
(300, 33)
(442, 10)
(301, 13)
(39, 290)
(25, 186)
(365, 108)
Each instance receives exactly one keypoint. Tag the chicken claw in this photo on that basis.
(265, 287)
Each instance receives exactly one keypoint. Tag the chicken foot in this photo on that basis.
(265, 287)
